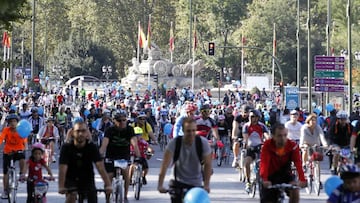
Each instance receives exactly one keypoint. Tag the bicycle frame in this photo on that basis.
(118, 182)
(13, 182)
(136, 179)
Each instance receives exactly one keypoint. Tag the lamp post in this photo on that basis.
(107, 70)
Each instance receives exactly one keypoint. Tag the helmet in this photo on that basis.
(138, 131)
(34, 110)
(164, 112)
(38, 145)
(246, 108)
(349, 171)
(342, 115)
(78, 120)
(190, 107)
(256, 112)
(120, 115)
(12, 116)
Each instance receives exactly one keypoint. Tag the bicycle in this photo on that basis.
(255, 172)
(345, 157)
(315, 156)
(282, 188)
(13, 180)
(118, 184)
(40, 189)
(241, 162)
(223, 151)
(137, 179)
(47, 151)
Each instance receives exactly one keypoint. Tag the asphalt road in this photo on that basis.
(225, 186)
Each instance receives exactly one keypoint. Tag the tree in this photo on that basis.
(12, 11)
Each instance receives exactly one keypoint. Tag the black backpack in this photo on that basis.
(198, 145)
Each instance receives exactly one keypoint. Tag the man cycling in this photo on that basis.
(339, 135)
(13, 149)
(37, 122)
(254, 133)
(276, 156)
(294, 127)
(205, 124)
(116, 144)
(237, 126)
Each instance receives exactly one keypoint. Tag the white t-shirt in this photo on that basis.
(293, 130)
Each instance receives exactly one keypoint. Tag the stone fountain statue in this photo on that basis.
(168, 73)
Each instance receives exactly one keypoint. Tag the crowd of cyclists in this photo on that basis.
(241, 120)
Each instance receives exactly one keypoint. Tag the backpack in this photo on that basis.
(198, 146)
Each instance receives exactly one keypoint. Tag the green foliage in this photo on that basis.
(12, 11)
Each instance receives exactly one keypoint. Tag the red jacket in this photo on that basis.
(271, 162)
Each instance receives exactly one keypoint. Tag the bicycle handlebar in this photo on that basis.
(284, 186)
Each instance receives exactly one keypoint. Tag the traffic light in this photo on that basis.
(156, 78)
(281, 86)
(211, 48)
(217, 76)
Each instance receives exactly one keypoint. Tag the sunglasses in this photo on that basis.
(205, 111)
(121, 120)
(80, 130)
(142, 119)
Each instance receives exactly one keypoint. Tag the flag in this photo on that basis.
(172, 38)
(149, 33)
(274, 41)
(141, 37)
(195, 37)
(6, 40)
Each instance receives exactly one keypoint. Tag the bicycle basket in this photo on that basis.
(317, 156)
(121, 163)
(40, 188)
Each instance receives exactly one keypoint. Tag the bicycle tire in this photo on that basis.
(138, 182)
(309, 188)
(317, 178)
(161, 141)
(253, 189)
(218, 157)
(12, 186)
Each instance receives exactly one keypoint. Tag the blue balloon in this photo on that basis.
(41, 111)
(86, 112)
(167, 129)
(317, 111)
(332, 183)
(95, 123)
(353, 123)
(24, 128)
(266, 116)
(197, 195)
(329, 107)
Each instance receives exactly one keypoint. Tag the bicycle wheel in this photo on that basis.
(309, 187)
(241, 168)
(137, 187)
(12, 186)
(218, 157)
(253, 189)
(161, 142)
(317, 178)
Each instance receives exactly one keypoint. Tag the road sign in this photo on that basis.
(328, 74)
(36, 79)
(329, 88)
(329, 59)
(292, 97)
(329, 66)
(328, 81)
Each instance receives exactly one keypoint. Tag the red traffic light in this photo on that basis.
(211, 48)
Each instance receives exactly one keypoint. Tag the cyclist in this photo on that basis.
(206, 125)
(237, 126)
(276, 157)
(190, 110)
(116, 144)
(146, 127)
(349, 190)
(48, 134)
(311, 134)
(294, 127)
(76, 171)
(37, 122)
(339, 134)
(13, 144)
(254, 133)
(24, 112)
(61, 123)
(34, 165)
(143, 148)
(224, 132)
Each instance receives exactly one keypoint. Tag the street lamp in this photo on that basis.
(107, 70)
(357, 56)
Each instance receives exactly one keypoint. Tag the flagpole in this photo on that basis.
(138, 44)
(242, 62)
(149, 46)
(273, 60)
(193, 58)
(171, 42)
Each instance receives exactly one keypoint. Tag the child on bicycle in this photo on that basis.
(349, 191)
(35, 165)
(143, 148)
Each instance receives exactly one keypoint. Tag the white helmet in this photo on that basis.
(342, 115)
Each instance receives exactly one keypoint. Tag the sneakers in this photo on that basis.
(248, 187)
(234, 163)
(144, 182)
(53, 158)
(4, 195)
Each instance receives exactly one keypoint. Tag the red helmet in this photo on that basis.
(190, 107)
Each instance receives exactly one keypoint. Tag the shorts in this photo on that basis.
(143, 163)
(109, 164)
(7, 159)
(272, 195)
(46, 141)
(253, 151)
